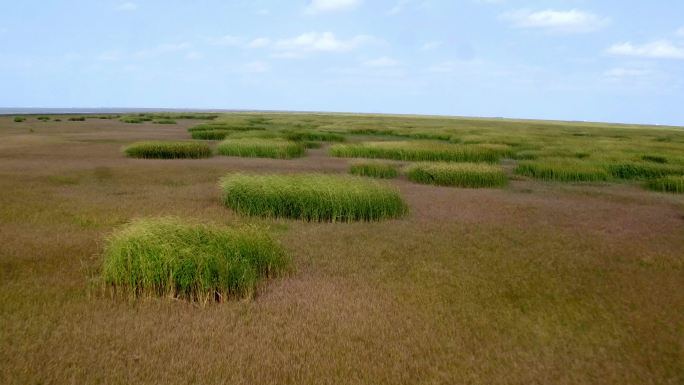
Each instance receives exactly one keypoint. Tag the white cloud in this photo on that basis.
(622, 73)
(680, 32)
(572, 21)
(398, 7)
(381, 62)
(256, 67)
(259, 42)
(318, 42)
(322, 6)
(430, 45)
(127, 7)
(661, 49)
(163, 49)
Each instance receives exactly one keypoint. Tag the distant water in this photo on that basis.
(51, 111)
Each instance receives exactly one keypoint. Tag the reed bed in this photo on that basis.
(469, 175)
(374, 170)
(421, 151)
(643, 170)
(210, 135)
(224, 127)
(564, 170)
(168, 150)
(310, 135)
(312, 197)
(261, 148)
(671, 184)
(199, 262)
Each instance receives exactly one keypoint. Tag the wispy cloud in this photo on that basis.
(323, 6)
(318, 42)
(127, 7)
(572, 21)
(660, 49)
(622, 73)
(381, 62)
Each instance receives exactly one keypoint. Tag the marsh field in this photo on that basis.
(391, 250)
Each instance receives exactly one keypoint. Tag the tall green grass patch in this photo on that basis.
(210, 135)
(165, 121)
(199, 262)
(19, 119)
(310, 135)
(470, 175)
(261, 148)
(168, 150)
(564, 170)
(421, 151)
(223, 127)
(77, 119)
(643, 170)
(671, 184)
(374, 170)
(312, 197)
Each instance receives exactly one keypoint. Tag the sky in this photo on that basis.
(607, 60)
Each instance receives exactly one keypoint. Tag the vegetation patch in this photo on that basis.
(312, 197)
(643, 170)
(654, 158)
(77, 119)
(671, 184)
(43, 118)
(19, 119)
(131, 120)
(374, 169)
(223, 127)
(421, 151)
(564, 170)
(168, 150)
(471, 175)
(165, 121)
(199, 262)
(310, 135)
(210, 135)
(261, 148)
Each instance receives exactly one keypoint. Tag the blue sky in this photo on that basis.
(605, 60)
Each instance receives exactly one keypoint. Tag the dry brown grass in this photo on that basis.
(536, 284)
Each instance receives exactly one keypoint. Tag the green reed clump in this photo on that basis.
(311, 135)
(43, 118)
(19, 119)
(470, 175)
(564, 170)
(375, 170)
(312, 197)
(168, 150)
(643, 170)
(671, 184)
(422, 151)
(223, 127)
(131, 120)
(210, 135)
(261, 148)
(199, 262)
(654, 158)
(77, 119)
(165, 121)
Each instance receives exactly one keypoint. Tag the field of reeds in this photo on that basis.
(115, 270)
(312, 197)
(168, 150)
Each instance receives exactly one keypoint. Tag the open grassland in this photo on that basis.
(312, 197)
(261, 148)
(420, 151)
(537, 283)
(168, 150)
(167, 257)
(469, 175)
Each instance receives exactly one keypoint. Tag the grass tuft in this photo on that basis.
(643, 170)
(165, 121)
(671, 184)
(374, 169)
(470, 175)
(312, 197)
(210, 135)
(261, 148)
(19, 119)
(168, 150)
(421, 151)
(310, 135)
(199, 262)
(564, 170)
(77, 119)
